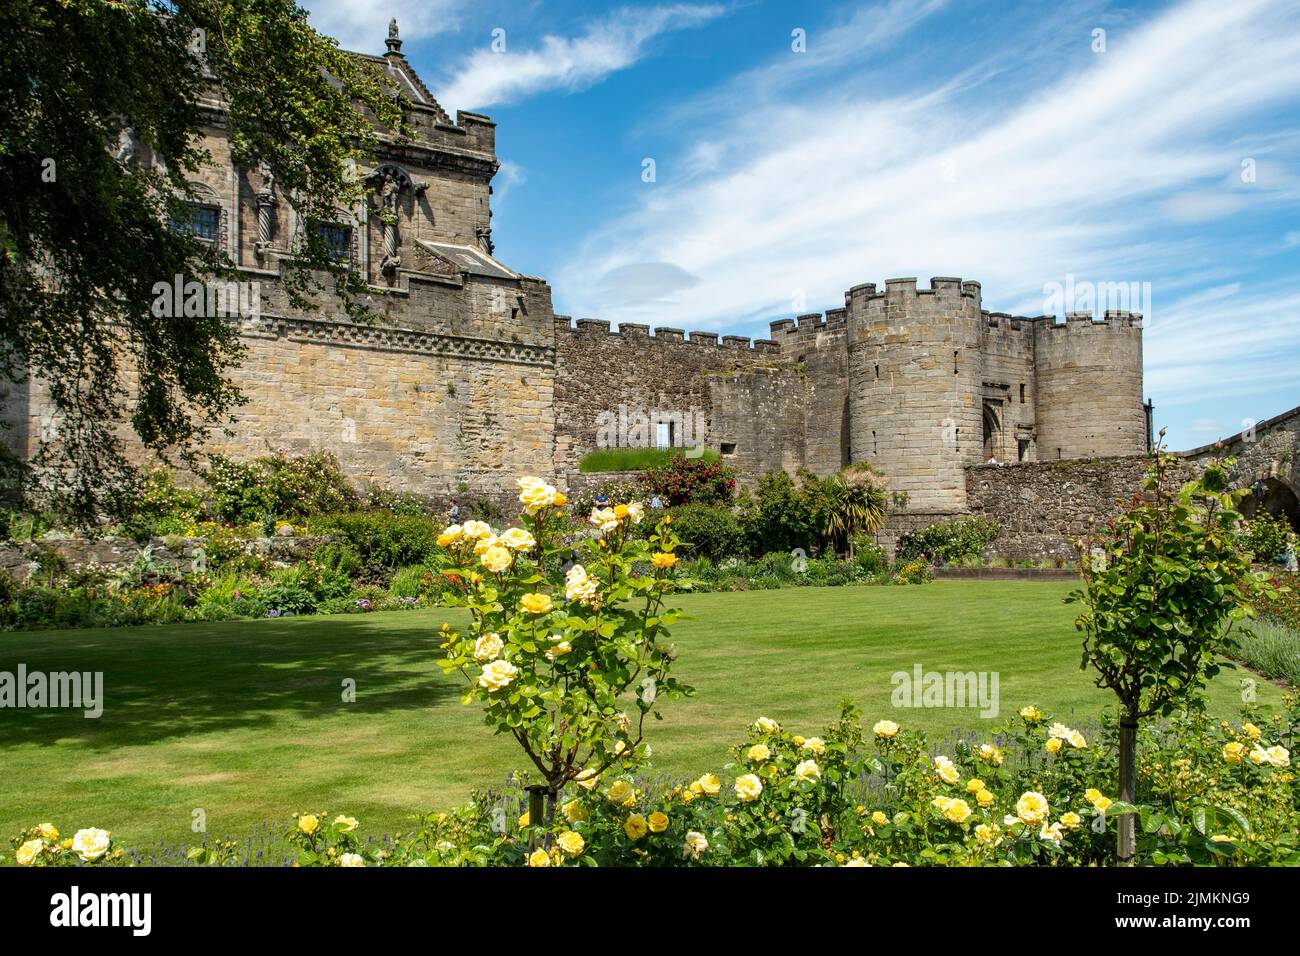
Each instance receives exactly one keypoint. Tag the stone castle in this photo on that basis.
(469, 379)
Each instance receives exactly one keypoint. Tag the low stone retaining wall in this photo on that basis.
(1008, 574)
(20, 560)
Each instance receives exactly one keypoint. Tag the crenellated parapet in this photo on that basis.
(638, 335)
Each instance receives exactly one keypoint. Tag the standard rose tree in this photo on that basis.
(1164, 582)
(568, 663)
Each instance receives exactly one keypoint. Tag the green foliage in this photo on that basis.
(568, 664)
(1272, 649)
(778, 515)
(1265, 537)
(683, 480)
(93, 222)
(634, 459)
(950, 540)
(708, 531)
(382, 540)
(276, 486)
(1160, 581)
(164, 508)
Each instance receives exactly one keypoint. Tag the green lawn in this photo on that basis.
(246, 721)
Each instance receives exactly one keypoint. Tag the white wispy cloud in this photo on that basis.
(1088, 168)
(362, 25)
(490, 77)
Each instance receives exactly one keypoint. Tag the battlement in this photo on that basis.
(1114, 318)
(663, 336)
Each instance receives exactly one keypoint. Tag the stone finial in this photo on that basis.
(394, 41)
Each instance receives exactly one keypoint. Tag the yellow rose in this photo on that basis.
(523, 820)
(1101, 803)
(1032, 807)
(1070, 820)
(571, 843)
(663, 559)
(450, 535)
(807, 770)
(634, 826)
(516, 539)
(620, 512)
(984, 798)
(958, 811)
(1054, 745)
(90, 844)
(574, 812)
(815, 744)
(535, 603)
(1251, 731)
(535, 494)
(1031, 714)
(496, 559)
(885, 729)
(974, 785)
(990, 754)
(879, 818)
(308, 824)
(709, 784)
(488, 648)
(587, 779)
(1233, 752)
(559, 650)
(696, 843)
(759, 752)
(482, 544)
(1279, 756)
(539, 857)
(748, 787)
(345, 824)
(28, 852)
(766, 725)
(476, 529)
(497, 675)
(658, 822)
(985, 833)
(351, 859)
(619, 792)
(945, 769)
(47, 832)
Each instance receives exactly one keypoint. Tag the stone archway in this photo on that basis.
(1273, 496)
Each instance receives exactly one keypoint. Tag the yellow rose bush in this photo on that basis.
(568, 660)
(42, 845)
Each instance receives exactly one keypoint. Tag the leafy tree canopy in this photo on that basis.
(105, 103)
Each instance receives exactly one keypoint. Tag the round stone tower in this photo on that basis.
(1089, 386)
(914, 380)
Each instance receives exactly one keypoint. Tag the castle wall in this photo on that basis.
(1007, 388)
(820, 346)
(915, 370)
(604, 376)
(1089, 386)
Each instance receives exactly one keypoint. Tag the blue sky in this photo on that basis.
(1009, 143)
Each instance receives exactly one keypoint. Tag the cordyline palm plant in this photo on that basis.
(853, 503)
(1163, 585)
(559, 660)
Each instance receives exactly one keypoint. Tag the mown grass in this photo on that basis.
(245, 720)
(633, 459)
